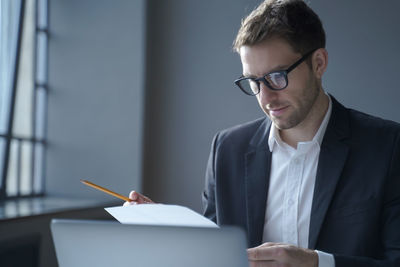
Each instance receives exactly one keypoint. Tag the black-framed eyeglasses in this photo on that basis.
(275, 80)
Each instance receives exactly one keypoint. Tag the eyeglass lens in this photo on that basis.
(274, 80)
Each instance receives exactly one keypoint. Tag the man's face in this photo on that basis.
(291, 106)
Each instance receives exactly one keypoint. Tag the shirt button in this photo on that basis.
(290, 202)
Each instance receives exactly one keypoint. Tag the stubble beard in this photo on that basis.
(301, 112)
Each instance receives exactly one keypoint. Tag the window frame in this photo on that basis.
(41, 27)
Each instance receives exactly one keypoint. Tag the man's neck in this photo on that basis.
(306, 130)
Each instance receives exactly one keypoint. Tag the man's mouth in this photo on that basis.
(276, 112)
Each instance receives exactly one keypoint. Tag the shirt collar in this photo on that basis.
(275, 138)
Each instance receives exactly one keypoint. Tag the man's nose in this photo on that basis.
(266, 93)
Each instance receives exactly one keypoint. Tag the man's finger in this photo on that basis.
(266, 253)
(146, 199)
(129, 203)
(271, 244)
(136, 198)
(139, 198)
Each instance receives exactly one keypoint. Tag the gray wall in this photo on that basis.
(95, 108)
(190, 94)
(363, 40)
(96, 79)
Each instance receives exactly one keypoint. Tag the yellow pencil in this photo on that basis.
(105, 190)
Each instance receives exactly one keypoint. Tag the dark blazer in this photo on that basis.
(355, 213)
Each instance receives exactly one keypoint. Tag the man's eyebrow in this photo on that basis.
(277, 68)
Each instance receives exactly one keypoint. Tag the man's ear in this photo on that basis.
(319, 62)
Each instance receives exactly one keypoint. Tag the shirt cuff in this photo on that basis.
(325, 259)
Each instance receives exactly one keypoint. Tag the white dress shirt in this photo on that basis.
(291, 189)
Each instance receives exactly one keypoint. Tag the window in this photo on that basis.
(23, 96)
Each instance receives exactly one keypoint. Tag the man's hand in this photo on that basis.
(137, 199)
(282, 255)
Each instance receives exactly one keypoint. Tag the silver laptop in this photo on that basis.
(104, 244)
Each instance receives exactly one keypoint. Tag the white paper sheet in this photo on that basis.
(159, 214)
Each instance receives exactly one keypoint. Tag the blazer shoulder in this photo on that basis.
(370, 123)
(244, 133)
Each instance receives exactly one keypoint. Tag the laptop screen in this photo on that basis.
(104, 244)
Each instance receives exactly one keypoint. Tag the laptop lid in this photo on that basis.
(104, 244)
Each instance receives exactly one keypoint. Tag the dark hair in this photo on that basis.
(291, 20)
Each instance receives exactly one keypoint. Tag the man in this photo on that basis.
(313, 183)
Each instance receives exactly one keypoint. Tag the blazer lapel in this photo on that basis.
(332, 159)
(257, 164)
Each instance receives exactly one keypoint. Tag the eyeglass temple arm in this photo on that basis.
(298, 62)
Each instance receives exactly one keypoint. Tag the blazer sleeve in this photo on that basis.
(390, 221)
(208, 196)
